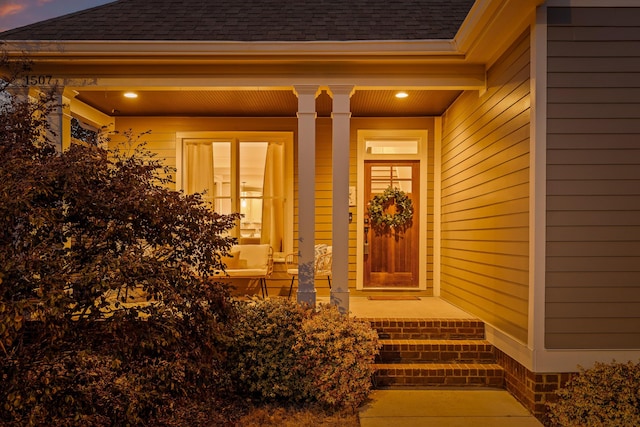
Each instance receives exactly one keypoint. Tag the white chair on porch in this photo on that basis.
(253, 262)
(323, 259)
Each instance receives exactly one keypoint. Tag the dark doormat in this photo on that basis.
(393, 298)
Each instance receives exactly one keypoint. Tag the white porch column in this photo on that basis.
(60, 120)
(306, 191)
(341, 116)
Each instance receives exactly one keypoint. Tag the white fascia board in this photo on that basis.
(153, 49)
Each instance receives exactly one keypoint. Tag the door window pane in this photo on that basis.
(378, 187)
(404, 186)
(380, 173)
(401, 172)
(389, 175)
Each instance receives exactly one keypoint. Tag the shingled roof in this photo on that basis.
(255, 20)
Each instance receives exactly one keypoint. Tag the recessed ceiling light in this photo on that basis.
(402, 95)
(130, 95)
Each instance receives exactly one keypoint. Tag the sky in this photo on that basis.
(16, 13)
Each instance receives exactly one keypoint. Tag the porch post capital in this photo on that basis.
(307, 90)
(307, 95)
(336, 90)
(341, 95)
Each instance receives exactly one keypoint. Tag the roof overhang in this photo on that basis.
(268, 65)
(481, 37)
(491, 26)
(191, 66)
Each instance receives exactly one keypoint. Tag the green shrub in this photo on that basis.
(262, 358)
(335, 356)
(606, 395)
(287, 352)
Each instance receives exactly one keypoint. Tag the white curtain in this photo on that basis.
(199, 170)
(273, 198)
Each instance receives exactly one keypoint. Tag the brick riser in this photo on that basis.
(417, 351)
(435, 329)
(435, 353)
(439, 374)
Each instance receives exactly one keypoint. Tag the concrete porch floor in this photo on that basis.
(425, 307)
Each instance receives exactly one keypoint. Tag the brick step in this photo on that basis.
(428, 328)
(423, 351)
(439, 375)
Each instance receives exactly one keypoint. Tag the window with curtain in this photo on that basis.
(246, 176)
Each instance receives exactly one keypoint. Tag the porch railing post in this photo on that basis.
(341, 116)
(306, 191)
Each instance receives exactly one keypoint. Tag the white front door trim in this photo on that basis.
(389, 134)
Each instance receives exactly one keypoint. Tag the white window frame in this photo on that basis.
(285, 138)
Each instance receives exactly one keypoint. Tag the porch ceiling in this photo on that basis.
(263, 103)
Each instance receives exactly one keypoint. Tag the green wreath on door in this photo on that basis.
(381, 219)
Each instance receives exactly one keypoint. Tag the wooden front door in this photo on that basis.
(391, 255)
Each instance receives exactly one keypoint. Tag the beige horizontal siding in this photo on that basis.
(485, 196)
(593, 174)
(159, 133)
(161, 140)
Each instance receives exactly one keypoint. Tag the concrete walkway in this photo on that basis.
(445, 408)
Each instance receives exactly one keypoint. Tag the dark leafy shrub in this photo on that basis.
(287, 352)
(106, 288)
(94, 389)
(606, 395)
(80, 388)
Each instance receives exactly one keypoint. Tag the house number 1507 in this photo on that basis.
(37, 80)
